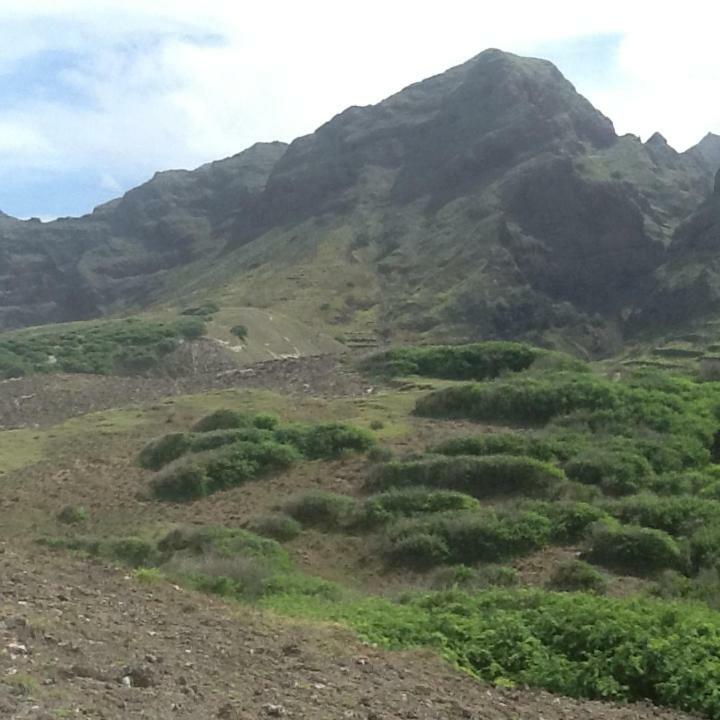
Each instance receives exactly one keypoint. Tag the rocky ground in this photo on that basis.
(43, 400)
(79, 639)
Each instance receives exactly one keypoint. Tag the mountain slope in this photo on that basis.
(490, 200)
(75, 268)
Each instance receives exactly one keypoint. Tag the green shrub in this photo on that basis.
(616, 472)
(476, 361)
(190, 328)
(633, 549)
(278, 526)
(318, 508)
(132, 551)
(158, 453)
(578, 645)
(239, 331)
(385, 507)
(675, 515)
(102, 347)
(477, 476)
(501, 444)
(379, 454)
(532, 400)
(675, 422)
(181, 483)
(469, 537)
(705, 548)
(326, 440)
(243, 461)
(419, 549)
(72, 515)
(214, 439)
(570, 520)
(232, 419)
(577, 576)
(12, 365)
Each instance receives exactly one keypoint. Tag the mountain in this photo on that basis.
(489, 201)
(76, 268)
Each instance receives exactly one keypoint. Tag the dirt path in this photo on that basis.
(79, 639)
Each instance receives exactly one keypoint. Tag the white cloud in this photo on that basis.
(163, 83)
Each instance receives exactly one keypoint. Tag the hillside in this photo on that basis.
(489, 201)
(316, 537)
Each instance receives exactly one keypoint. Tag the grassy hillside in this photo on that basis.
(498, 492)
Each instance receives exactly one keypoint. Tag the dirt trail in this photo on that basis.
(80, 639)
(44, 400)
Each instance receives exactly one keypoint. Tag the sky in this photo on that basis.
(97, 95)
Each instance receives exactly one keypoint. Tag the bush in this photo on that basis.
(674, 515)
(467, 537)
(181, 483)
(72, 515)
(532, 400)
(379, 454)
(158, 453)
(680, 415)
(575, 645)
(577, 576)
(214, 439)
(239, 331)
(476, 361)
(570, 520)
(501, 444)
(477, 476)
(102, 347)
(231, 419)
(191, 328)
(278, 526)
(633, 549)
(616, 472)
(391, 505)
(322, 509)
(243, 461)
(326, 440)
(705, 548)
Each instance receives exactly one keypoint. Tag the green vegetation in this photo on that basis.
(485, 536)
(231, 419)
(577, 644)
(278, 526)
(321, 509)
(129, 346)
(386, 507)
(221, 470)
(239, 331)
(230, 448)
(476, 361)
(616, 472)
(634, 549)
(477, 476)
(72, 515)
(577, 576)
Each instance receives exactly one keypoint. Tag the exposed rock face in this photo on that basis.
(707, 152)
(490, 200)
(74, 268)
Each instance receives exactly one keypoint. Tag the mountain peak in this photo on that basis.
(707, 152)
(657, 139)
